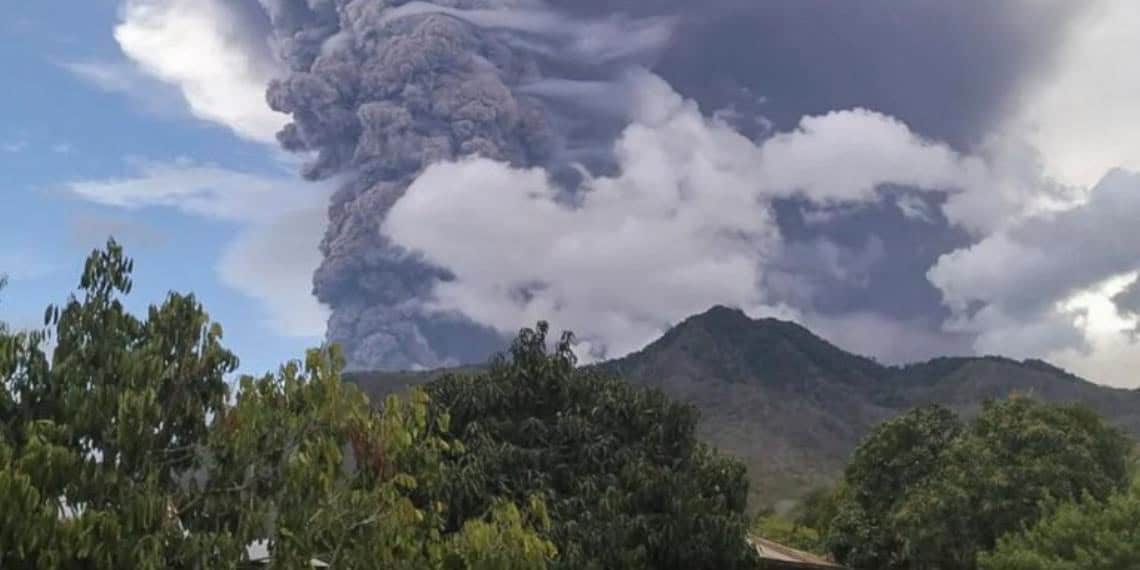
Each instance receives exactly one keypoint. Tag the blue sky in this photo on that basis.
(61, 128)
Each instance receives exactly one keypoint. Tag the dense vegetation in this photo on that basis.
(927, 490)
(625, 479)
(131, 450)
(1085, 535)
(128, 447)
(793, 407)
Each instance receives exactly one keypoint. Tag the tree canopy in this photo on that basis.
(626, 482)
(130, 450)
(1085, 535)
(925, 491)
(132, 445)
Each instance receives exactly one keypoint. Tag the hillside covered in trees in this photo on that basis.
(793, 406)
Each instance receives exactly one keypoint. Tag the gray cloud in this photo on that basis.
(380, 91)
(1128, 301)
(885, 253)
(1048, 257)
(1019, 289)
(950, 70)
(381, 99)
(598, 41)
(689, 217)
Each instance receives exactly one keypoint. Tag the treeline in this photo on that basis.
(1023, 486)
(128, 446)
(131, 449)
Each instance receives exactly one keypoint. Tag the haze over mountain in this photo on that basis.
(793, 406)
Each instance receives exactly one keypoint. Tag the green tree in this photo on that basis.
(926, 493)
(899, 455)
(1085, 535)
(322, 474)
(625, 479)
(128, 450)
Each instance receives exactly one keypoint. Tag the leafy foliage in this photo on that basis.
(626, 482)
(1087, 535)
(900, 455)
(129, 451)
(924, 491)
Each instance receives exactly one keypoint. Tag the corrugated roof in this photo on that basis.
(776, 552)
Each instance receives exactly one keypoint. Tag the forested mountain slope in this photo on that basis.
(793, 406)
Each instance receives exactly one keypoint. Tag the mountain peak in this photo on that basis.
(731, 324)
(721, 312)
(725, 343)
(720, 322)
(793, 406)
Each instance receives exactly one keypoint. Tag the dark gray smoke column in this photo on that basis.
(377, 98)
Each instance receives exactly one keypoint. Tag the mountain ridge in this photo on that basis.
(793, 406)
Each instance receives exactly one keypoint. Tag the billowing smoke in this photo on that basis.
(555, 174)
(378, 90)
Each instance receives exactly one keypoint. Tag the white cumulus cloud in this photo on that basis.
(685, 225)
(1044, 286)
(202, 47)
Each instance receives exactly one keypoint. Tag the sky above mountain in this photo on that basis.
(906, 179)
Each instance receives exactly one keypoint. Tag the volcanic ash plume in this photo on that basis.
(380, 89)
